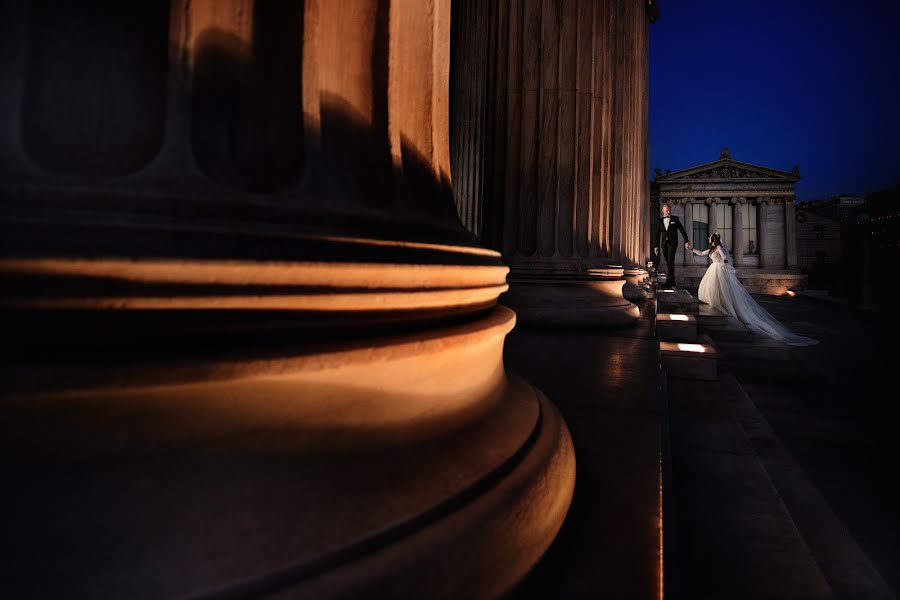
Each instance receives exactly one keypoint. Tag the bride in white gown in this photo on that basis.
(721, 289)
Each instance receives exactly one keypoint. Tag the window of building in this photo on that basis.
(749, 216)
(724, 225)
(820, 232)
(700, 218)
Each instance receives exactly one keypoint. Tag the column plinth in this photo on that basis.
(595, 298)
(633, 289)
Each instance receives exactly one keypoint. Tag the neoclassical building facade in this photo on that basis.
(751, 207)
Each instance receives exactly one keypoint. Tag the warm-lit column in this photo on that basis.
(471, 36)
(737, 252)
(286, 379)
(570, 97)
(628, 34)
(568, 105)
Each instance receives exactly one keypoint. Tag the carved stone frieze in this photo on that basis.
(726, 169)
(725, 192)
(726, 172)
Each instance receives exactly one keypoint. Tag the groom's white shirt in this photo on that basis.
(666, 222)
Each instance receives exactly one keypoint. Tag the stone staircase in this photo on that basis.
(743, 519)
(722, 327)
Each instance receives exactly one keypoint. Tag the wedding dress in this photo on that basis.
(721, 289)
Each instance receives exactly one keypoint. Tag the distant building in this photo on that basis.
(846, 243)
(835, 207)
(883, 210)
(875, 228)
(818, 244)
(845, 200)
(752, 209)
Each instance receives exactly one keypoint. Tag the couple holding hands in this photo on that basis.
(720, 287)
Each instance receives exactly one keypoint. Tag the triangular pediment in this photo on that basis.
(728, 169)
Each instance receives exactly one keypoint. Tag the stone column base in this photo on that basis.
(596, 301)
(637, 285)
(407, 464)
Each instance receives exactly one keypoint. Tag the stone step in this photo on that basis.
(732, 331)
(757, 355)
(707, 315)
(703, 338)
(849, 572)
(735, 537)
(689, 360)
(720, 325)
(676, 327)
(675, 301)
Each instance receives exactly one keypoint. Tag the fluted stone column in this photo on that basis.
(790, 234)
(763, 232)
(568, 115)
(737, 252)
(278, 368)
(470, 45)
(687, 219)
(13, 20)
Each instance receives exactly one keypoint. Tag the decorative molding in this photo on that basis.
(726, 172)
(727, 169)
(754, 193)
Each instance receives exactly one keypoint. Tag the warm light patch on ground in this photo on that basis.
(691, 348)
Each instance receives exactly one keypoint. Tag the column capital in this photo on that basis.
(737, 200)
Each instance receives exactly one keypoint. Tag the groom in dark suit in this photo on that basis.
(669, 226)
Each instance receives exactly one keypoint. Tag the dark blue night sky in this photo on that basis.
(780, 82)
